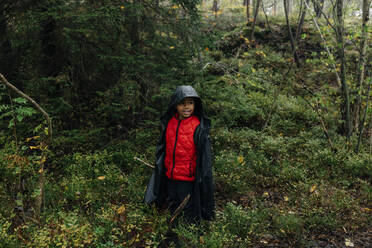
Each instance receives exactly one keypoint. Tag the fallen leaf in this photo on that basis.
(312, 189)
(121, 209)
(367, 209)
(348, 243)
(240, 159)
(101, 178)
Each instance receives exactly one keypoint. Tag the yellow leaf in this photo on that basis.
(312, 189)
(121, 209)
(122, 7)
(101, 178)
(286, 198)
(265, 194)
(42, 161)
(240, 159)
(348, 243)
(34, 147)
(171, 47)
(253, 70)
(41, 170)
(31, 138)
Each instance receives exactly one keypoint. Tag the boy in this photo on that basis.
(183, 159)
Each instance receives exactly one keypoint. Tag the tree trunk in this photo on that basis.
(318, 7)
(135, 27)
(361, 63)
(247, 3)
(300, 23)
(345, 108)
(255, 18)
(254, 6)
(363, 121)
(215, 8)
(267, 19)
(293, 43)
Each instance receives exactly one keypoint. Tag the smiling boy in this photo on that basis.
(183, 159)
(185, 108)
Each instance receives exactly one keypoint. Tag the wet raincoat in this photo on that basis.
(203, 205)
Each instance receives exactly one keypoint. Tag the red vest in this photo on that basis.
(180, 154)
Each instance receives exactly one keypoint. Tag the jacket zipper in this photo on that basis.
(174, 150)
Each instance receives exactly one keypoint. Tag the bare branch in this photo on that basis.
(180, 208)
(32, 101)
(325, 44)
(144, 162)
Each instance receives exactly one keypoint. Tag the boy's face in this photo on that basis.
(185, 108)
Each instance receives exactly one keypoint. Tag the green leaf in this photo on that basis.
(20, 100)
(11, 123)
(19, 118)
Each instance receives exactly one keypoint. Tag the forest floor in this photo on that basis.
(279, 180)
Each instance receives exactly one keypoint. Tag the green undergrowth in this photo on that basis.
(278, 179)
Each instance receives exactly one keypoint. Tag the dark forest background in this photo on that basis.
(84, 83)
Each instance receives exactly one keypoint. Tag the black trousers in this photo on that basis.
(177, 192)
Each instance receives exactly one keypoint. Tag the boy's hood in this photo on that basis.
(181, 93)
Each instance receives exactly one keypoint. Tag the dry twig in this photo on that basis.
(144, 162)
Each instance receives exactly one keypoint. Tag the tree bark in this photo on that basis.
(318, 7)
(293, 43)
(345, 109)
(363, 121)
(300, 23)
(361, 63)
(247, 4)
(325, 47)
(255, 19)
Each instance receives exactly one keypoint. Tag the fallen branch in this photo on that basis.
(179, 209)
(144, 162)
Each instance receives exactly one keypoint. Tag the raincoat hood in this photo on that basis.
(179, 94)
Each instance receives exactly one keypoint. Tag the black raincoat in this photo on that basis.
(203, 185)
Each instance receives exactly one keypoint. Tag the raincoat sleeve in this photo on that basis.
(155, 188)
(206, 178)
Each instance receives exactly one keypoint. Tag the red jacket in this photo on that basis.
(180, 154)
